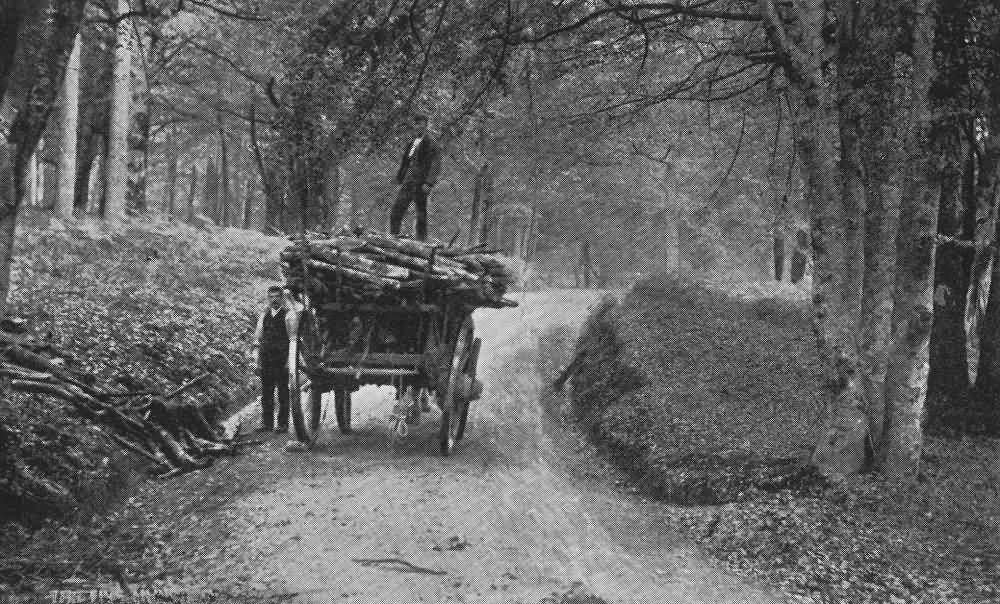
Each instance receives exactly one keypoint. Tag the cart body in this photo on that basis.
(412, 345)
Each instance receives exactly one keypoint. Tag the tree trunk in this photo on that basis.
(486, 204)
(225, 190)
(532, 243)
(31, 185)
(31, 66)
(881, 185)
(192, 193)
(117, 172)
(170, 192)
(250, 202)
(68, 122)
(273, 204)
(834, 226)
(948, 380)
(86, 167)
(139, 164)
(913, 306)
(12, 174)
(779, 257)
(210, 196)
(988, 375)
(331, 193)
(988, 370)
(474, 215)
(345, 194)
(800, 257)
(586, 265)
(98, 186)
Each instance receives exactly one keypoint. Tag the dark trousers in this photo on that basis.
(409, 192)
(274, 374)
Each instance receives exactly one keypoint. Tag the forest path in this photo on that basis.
(518, 513)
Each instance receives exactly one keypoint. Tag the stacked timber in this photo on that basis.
(174, 436)
(366, 265)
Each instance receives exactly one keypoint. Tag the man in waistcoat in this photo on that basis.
(418, 171)
(271, 350)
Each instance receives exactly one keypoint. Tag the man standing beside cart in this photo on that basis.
(271, 352)
(418, 172)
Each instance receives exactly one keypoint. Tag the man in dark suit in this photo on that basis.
(271, 350)
(418, 171)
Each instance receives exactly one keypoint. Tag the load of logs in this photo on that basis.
(368, 264)
(176, 437)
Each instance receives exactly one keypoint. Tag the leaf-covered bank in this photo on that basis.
(146, 307)
(707, 398)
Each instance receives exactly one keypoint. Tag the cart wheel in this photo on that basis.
(304, 398)
(342, 402)
(306, 404)
(453, 405)
(469, 384)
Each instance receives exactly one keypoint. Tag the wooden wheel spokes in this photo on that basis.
(305, 399)
(452, 406)
(470, 390)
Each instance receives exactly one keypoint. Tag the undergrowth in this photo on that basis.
(146, 306)
(722, 406)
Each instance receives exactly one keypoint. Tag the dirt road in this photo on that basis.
(516, 514)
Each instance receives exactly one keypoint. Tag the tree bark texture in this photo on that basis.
(117, 172)
(68, 123)
(835, 231)
(32, 61)
(913, 306)
(880, 162)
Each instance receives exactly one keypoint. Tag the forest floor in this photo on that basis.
(147, 306)
(710, 395)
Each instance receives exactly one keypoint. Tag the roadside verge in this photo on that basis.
(711, 401)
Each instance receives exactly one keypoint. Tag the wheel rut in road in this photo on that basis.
(506, 518)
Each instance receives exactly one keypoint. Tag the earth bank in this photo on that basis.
(708, 395)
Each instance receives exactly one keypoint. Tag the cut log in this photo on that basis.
(175, 452)
(365, 277)
(351, 260)
(442, 266)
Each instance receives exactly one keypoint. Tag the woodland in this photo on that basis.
(850, 145)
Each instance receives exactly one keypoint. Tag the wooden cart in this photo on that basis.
(413, 346)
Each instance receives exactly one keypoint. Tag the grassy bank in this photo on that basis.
(146, 306)
(712, 399)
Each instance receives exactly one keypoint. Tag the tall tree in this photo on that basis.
(36, 42)
(68, 124)
(913, 299)
(117, 172)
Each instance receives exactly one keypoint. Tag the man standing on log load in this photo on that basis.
(418, 171)
(271, 351)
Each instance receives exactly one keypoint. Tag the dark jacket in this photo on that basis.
(274, 337)
(425, 165)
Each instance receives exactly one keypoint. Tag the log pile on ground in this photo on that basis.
(175, 437)
(367, 265)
